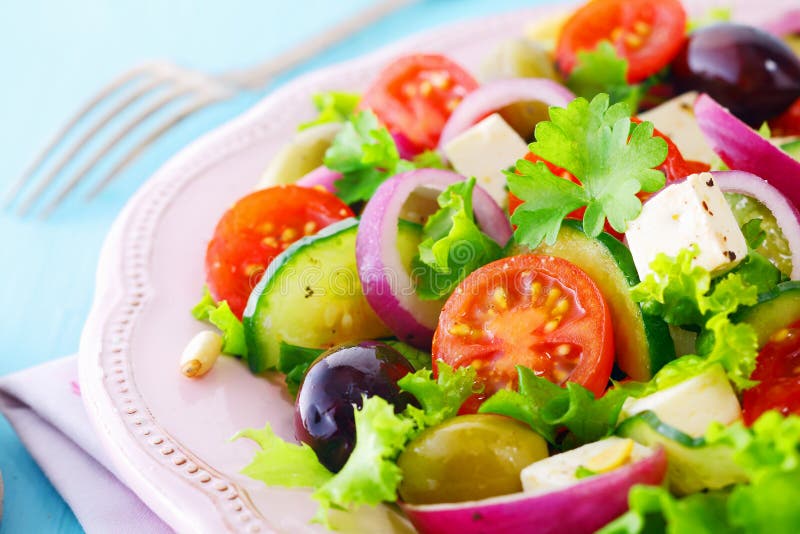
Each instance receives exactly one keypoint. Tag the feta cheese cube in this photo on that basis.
(692, 405)
(693, 212)
(558, 471)
(485, 151)
(675, 119)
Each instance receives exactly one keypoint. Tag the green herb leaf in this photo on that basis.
(279, 463)
(221, 316)
(453, 246)
(293, 362)
(595, 143)
(753, 233)
(333, 106)
(440, 398)
(370, 475)
(419, 359)
(547, 407)
(602, 70)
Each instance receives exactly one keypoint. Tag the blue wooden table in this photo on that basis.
(55, 54)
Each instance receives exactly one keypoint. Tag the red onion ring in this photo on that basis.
(581, 508)
(386, 282)
(495, 95)
(785, 213)
(742, 148)
(320, 177)
(787, 24)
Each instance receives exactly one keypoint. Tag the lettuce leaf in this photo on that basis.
(279, 463)
(293, 362)
(333, 106)
(453, 246)
(547, 407)
(221, 316)
(370, 475)
(440, 398)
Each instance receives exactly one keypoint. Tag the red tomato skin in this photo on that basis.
(497, 352)
(416, 94)
(778, 373)
(788, 123)
(258, 228)
(649, 33)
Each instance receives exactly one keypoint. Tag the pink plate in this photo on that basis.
(167, 435)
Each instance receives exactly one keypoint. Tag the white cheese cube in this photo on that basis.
(675, 119)
(693, 212)
(558, 471)
(693, 404)
(485, 151)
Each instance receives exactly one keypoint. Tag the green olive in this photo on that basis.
(468, 458)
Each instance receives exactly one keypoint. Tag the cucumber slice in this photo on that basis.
(775, 310)
(643, 342)
(310, 297)
(693, 465)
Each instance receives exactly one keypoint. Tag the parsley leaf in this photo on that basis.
(333, 106)
(453, 246)
(366, 155)
(595, 143)
(602, 70)
(221, 316)
(547, 407)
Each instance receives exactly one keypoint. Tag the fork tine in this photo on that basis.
(76, 147)
(175, 93)
(157, 132)
(56, 140)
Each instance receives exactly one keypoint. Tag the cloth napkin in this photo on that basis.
(44, 406)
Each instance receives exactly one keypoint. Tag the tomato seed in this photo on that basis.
(288, 234)
(561, 307)
(270, 242)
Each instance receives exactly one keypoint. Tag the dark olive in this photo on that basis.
(749, 71)
(337, 380)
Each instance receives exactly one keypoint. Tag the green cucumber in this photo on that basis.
(693, 465)
(310, 296)
(643, 343)
(775, 310)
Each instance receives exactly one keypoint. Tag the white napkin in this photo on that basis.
(43, 405)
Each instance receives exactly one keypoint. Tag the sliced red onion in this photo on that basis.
(405, 147)
(498, 94)
(386, 282)
(581, 508)
(787, 24)
(321, 176)
(742, 148)
(785, 213)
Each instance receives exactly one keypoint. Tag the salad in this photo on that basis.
(563, 299)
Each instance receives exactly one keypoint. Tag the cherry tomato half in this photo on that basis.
(648, 33)
(538, 311)
(258, 228)
(674, 168)
(778, 373)
(415, 95)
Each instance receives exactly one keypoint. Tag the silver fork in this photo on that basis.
(175, 83)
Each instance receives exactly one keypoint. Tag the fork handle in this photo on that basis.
(258, 76)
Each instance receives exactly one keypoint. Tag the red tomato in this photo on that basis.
(538, 311)
(787, 124)
(674, 168)
(778, 373)
(415, 95)
(648, 33)
(259, 227)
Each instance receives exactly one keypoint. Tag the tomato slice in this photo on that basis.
(788, 123)
(415, 95)
(538, 311)
(648, 33)
(675, 168)
(778, 373)
(258, 228)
